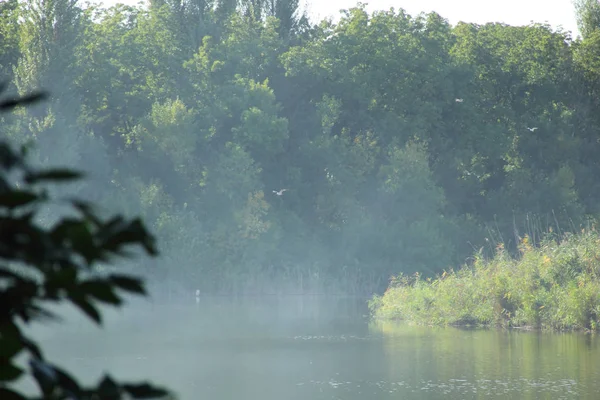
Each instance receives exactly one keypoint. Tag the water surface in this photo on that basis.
(321, 348)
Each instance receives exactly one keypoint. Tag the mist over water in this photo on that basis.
(315, 347)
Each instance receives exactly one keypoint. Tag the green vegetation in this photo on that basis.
(193, 112)
(555, 285)
(42, 266)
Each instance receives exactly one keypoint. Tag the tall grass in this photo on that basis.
(553, 285)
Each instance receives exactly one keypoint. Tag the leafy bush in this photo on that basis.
(41, 265)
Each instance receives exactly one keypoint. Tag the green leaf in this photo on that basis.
(17, 198)
(128, 283)
(9, 372)
(59, 174)
(145, 391)
(7, 394)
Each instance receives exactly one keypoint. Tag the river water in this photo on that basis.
(277, 348)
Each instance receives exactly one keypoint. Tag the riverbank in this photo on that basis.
(554, 286)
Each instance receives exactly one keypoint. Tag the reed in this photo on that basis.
(552, 283)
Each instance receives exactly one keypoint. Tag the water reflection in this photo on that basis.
(491, 364)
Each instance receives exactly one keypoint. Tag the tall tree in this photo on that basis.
(292, 20)
(587, 13)
(50, 35)
(9, 38)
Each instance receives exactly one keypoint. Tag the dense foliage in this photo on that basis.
(404, 141)
(40, 266)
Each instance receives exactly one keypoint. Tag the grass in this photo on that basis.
(554, 285)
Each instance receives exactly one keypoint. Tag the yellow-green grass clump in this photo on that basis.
(555, 285)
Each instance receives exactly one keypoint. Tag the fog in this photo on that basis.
(290, 169)
(213, 347)
(299, 347)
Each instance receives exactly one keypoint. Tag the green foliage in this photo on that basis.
(194, 112)
(39, 266)
(587, 13)
(554, 286)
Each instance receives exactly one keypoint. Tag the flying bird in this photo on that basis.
(280, 193)
(459, 100)
(532, 129)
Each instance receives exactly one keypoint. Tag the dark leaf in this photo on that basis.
(109, 228)
(66, 382)
(17, 198)
(40, 313)
(32, 347)
(26, 148)
(62, 230)
(7, 394)
(22, 101)
(85, 306)
(9, 372)
(108, 389)
(127, 283)
(44, 374)
(87, 210)
(8, 158)
(82, 241)
(101, 290)
(11, 329)
(5, 273)
(4, 186)
(145, 391)
(53, 175)
(10, 344)
(62, 279)
(135, 232)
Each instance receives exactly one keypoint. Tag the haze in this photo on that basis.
(296, 170)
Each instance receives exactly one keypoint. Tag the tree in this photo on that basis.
(39, 266)
(50, 35)
(9, 40)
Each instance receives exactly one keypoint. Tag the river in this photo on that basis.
(314, 348)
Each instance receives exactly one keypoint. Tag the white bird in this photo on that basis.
(532, 129)
(279, 193)
(459, 100)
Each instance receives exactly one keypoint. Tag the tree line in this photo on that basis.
(405, 143)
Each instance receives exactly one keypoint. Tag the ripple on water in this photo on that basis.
(560, 389)
(331, 338)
